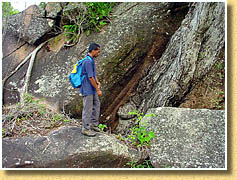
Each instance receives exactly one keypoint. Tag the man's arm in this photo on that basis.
(97, 82)
(94, 83)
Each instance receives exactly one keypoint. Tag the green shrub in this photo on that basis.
(139, 135)
(8, 10)
(96, 16)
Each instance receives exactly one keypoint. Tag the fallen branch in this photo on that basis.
(22, 63)
(32, 56)
(29, 70)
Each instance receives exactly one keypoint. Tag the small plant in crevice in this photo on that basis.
(57, 117)
(220, 75)
(202, 55)
(220, 65)
(120, 137)
(217, 103)
(102, 127)
(139, 135)
(165, 166)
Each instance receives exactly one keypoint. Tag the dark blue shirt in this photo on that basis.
(89, 70)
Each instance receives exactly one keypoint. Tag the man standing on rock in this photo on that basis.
(90, 90)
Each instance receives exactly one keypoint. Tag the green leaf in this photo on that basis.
(151, 134)
(104, 13)
(142, 129)
(67, 120)
(147, 139)
(150, 115)
(41, 112)
(102, 23)
(132, 113)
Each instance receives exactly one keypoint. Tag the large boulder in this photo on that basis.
(187, 138)
(67, 148)
(22, 33)
(30, 25)
(136, 65)
(137, 35)
(192, 51)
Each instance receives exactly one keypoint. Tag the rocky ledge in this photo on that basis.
(185, 138)
(66, 148)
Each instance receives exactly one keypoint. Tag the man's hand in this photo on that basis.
(98, 83)
(99, 92)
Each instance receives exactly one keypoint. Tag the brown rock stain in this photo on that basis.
(124, 95)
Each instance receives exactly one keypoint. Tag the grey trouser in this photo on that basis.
(91, 111)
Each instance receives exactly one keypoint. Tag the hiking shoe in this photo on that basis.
(95, 128)
(87, 132)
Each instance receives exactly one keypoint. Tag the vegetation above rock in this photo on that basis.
(87, 17)
(8, 10)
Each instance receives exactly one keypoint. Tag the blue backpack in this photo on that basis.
(76, 76)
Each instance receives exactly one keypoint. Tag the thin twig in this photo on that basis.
(13, 125)
(46, 146)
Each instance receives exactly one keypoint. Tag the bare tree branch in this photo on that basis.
(29, 70)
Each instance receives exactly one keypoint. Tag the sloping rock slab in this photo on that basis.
(190, 54)
(66, 148)
(187, 138)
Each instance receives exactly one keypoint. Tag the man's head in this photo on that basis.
(94, 49)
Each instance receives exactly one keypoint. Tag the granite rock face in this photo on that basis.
(30, 25)
(66, 148)
(136, 36)
(152, 54)
(124, 110)
(190, 54)
(187, 138)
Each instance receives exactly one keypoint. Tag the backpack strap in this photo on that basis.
(85, 58)
(90, 59)
(82, 59)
